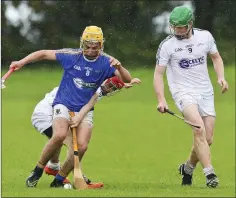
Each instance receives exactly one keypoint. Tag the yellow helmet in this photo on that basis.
(92, 34)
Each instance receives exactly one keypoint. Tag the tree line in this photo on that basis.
(127, 25)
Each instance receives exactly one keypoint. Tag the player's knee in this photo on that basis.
(59, 138)
(199, 131)
(209, 136)
(209, 140)
(83, 147)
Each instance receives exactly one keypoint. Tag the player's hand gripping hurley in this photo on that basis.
(79, 182)
(187, 122)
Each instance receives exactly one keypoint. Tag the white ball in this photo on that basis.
(67, 186)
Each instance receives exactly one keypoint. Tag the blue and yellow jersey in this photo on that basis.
(81, 77)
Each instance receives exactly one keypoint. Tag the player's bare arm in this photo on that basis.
(133, 81)
(114, 62)
(159, 88)
(33, 57)
(219, 69)
(75, 121)
(123, 73)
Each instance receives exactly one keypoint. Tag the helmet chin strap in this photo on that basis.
(184, 36)
(181, 37)
(87, 57)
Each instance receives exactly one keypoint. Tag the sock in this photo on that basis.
(54, 166)
(59, 178)
(62, 174)
(38, 171)
(189, 168)
(40, 165)
(209, 170)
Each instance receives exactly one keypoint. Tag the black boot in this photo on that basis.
(186, 178)
(34, 177)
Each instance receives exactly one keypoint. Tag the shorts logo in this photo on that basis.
(57, 111)
(187, 63)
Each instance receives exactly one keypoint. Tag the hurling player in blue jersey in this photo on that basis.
(85, 69)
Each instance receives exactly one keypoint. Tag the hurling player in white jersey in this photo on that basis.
(43, 115)
(184, 57)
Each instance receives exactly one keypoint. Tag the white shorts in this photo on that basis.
(61, 111)
(205, 104)
(42, 120)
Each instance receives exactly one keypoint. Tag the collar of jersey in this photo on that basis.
(90, 60)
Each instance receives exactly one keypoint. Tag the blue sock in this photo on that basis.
(59, 177)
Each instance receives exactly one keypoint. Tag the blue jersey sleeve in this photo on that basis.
(67, 57)
(111, 72)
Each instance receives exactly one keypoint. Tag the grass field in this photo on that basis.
(134, 150)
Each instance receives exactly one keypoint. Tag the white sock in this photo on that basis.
(54, 166)
(189, 168)
(208, 171)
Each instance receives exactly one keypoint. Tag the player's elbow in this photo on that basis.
(157, 76)
(42, 54)
(159, 71)
(216, 57)
(127, 79)
(123, 74)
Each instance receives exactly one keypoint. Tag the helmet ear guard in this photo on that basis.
(111, 86)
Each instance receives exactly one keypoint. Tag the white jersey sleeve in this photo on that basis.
(45, 105)
(99, 92)
(163, 56)
(212, 48)
(42, 116)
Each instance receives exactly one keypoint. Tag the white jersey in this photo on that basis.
(186, 62)
(42, 116)
(45, 105)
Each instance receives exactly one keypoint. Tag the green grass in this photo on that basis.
(134, 150)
